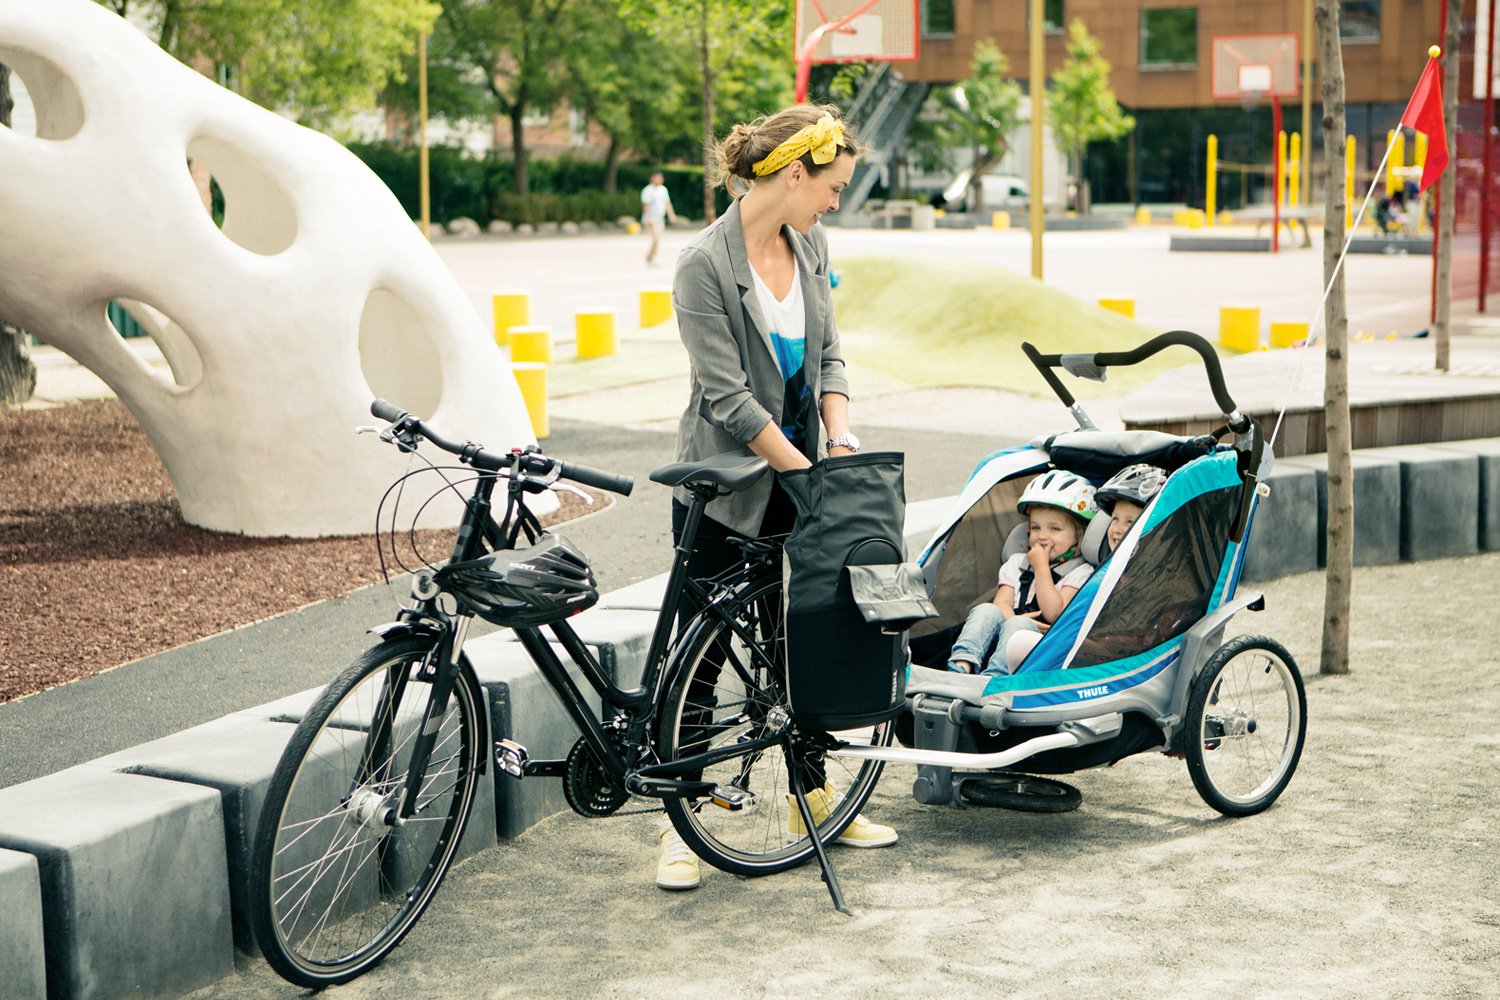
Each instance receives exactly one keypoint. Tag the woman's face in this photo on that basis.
(810, 194)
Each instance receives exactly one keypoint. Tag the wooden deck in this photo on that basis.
(1396, 397)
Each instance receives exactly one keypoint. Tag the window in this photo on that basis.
(1169, 36)
(937, 17)
(1053, 13)
(1359, 20)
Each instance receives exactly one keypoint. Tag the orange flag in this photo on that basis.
(1425, 114)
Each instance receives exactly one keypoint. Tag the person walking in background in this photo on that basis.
(656, 209)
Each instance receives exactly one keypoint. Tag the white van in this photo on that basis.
(1002, 192)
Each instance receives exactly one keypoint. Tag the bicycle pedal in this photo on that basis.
(512, 757)
(732, 798)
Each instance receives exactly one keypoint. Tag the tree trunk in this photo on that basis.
(1441, 327)
(612, 166)
(1339, 574)
(518, 147)
(705, 64)
(17, 371)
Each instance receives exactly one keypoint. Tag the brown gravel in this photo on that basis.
(97, 567)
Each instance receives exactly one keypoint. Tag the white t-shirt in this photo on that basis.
(1010, 576)
(654, 202)
(787, 326)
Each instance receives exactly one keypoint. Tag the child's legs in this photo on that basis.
(979, 629)
(997, 664)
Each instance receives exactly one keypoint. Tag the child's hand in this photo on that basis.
(1036, 616)
(1040, 554)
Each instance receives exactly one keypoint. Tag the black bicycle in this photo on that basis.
(368, 804)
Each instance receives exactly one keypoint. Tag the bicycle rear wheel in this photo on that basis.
(727, 686)
(336, 882)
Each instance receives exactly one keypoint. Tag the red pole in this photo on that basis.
(1275, 173)
(1437, 189)
(1485, 188)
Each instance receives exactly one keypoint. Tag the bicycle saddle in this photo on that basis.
(733, 471)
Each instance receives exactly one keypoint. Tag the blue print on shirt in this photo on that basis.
(789, 356)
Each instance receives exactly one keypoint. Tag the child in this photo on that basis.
(1124, 496)
(1035, 585)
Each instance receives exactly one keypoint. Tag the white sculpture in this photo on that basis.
(317, 295)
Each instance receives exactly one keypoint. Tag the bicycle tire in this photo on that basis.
(334, 886)
(757, 840)
(1245, 726)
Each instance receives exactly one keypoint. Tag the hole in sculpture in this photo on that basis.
(135, 320)
(241, 196)
(43, 101)
(397, 355)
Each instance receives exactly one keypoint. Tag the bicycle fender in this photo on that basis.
(391, 631)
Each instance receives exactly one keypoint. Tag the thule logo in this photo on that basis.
(1093, 692)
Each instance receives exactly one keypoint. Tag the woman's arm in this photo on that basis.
(835, 410)
(772, 445)
(703, 324)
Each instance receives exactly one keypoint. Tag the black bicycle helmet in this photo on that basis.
(1135, 483)
(544, 583)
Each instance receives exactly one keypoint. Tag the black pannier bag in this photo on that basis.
(846, 663)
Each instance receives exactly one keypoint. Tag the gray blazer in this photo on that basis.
(736, 384)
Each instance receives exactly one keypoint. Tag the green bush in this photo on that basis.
(562, 189)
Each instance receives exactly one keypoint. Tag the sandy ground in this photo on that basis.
(1373, 876)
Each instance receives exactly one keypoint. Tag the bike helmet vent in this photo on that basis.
(1136, 483)
(1063, 490)
(533, 586)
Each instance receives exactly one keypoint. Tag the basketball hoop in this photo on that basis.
(1254, 84)
(844, 31)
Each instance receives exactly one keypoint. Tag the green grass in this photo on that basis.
(929, 324)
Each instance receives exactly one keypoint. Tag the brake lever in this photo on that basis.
(561, 485)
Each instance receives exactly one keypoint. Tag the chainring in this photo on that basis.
(588, 786)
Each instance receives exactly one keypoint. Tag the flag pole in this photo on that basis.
(1312, 337)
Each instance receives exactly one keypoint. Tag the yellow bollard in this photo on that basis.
(511, 309)
(1226, 218)
(1211, 188)
(656, 306)
(1395, 161)
(1000, 220)
(1125, 307)
(1348, 182)
(595, 332)
(531, 377)
(1294, 170)
(1286, 333)
(1143, 216)
(1195, 218)
(531, 343)
(1281, 168)
(1239, 327)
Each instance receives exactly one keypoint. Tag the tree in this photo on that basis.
(1339, 573)
(317, 61)
(1081, 107)
(983, 111)
(641, 104)
(517, 47)
(721, 35)
(17, 370)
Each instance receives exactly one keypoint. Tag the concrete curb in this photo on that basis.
(159, 835)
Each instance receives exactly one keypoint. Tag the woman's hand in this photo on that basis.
(838, 451)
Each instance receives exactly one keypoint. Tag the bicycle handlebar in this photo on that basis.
(532, 462)
(1105, 359)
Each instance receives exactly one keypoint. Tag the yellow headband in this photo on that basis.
(822, 138)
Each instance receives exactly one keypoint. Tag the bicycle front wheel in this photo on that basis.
(338, 880)
(727, 686)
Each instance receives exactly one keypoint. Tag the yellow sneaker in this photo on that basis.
(677, 867)
(860, 833)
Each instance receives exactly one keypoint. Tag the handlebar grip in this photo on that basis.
(388, 412)
(597, 478)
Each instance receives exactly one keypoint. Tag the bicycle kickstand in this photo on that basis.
(829, 878)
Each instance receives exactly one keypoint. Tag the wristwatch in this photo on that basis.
(847, 440)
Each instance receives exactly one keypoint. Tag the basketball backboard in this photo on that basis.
(1248, 67)
(878, 31)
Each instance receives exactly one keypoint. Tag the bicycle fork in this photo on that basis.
(446, 670)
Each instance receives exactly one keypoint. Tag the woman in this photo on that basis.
(751, 295)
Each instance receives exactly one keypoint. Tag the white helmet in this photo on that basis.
(1136, 483)
(1063, 490)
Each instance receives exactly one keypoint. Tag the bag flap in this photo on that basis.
(893, 594)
